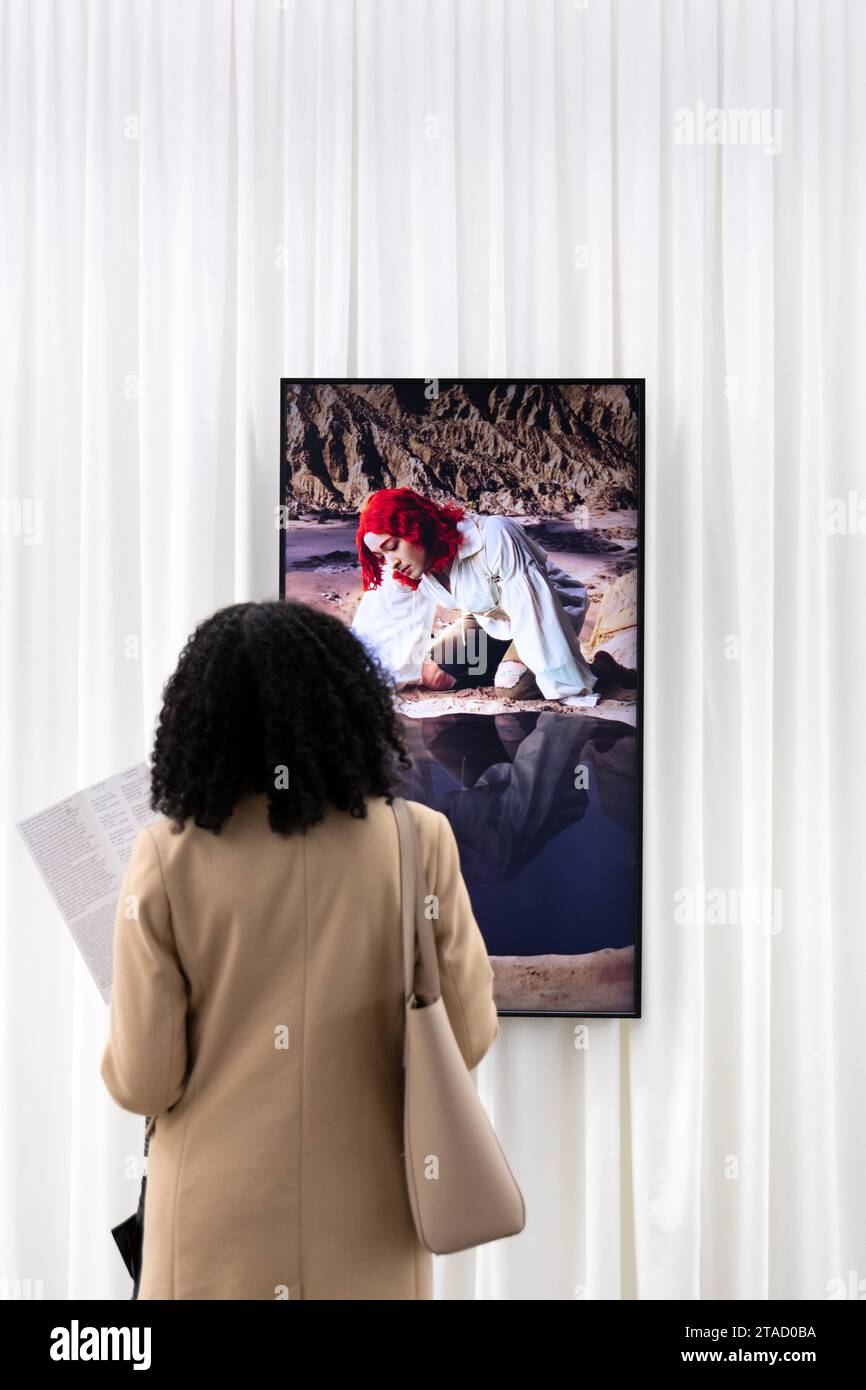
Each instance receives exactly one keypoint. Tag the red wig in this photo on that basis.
(402, 512)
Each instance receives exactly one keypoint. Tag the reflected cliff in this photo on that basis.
(543, 810)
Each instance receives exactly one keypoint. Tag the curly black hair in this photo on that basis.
(268, 694)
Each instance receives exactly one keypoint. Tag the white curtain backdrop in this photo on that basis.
(200, 196)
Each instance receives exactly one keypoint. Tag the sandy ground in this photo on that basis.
(597, 982)
(417, 703)
(322, 570)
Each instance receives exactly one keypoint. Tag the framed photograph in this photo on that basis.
(485, 541)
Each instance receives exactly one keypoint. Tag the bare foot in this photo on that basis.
(435, 678)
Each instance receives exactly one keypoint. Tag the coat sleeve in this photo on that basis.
(465, 973)
(394, 622)
(144, 1061)
(542, 631)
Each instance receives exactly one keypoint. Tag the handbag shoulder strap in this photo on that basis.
(417, 927)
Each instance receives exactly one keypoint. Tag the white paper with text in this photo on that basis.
(81, 847)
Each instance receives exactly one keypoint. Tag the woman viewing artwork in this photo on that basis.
(520, 614)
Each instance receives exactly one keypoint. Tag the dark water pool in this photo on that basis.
(550, 865)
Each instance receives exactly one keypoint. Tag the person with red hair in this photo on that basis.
(401, 512)
(416, 554)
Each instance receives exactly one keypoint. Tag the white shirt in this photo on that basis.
(507, 582)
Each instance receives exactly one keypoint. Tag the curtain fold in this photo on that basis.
(202, 197)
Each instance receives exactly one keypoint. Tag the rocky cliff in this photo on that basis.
(534, 449)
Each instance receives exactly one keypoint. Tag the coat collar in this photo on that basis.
(470, 537)
(470, 543)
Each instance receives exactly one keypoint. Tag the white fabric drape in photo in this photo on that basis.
(200, 197)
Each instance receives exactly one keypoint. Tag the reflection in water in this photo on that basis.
(550, 866)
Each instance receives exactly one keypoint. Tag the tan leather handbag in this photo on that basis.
(461, 1189)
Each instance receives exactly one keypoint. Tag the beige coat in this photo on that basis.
(257, 1011)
